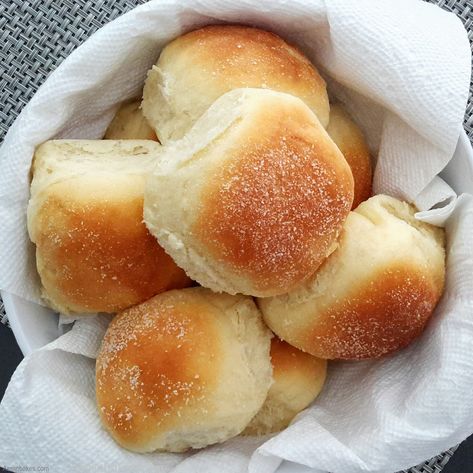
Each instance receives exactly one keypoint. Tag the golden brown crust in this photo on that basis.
(98, 256)
(380, 316)
(349, 138)
(157, 361)
(274, 208)
(186, 369)
(290, 361)
(197, 68)
(374, 294)
(228, 51)
(297, 380)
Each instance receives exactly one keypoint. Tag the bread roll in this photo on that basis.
(351, 142)
(130, 124)
(197, 68)
(85, 215)
(298, 379)
(183, 370)
(252, 199)
(374, 294)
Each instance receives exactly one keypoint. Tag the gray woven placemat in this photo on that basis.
(36, 35)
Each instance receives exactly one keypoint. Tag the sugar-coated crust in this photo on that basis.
(154, 366)
(185, 369)
(374, 294)
(93, 251)
(198, 67)
(97, 255)
(274, 208)
(251, 201)
(383, 313)
(351, 142)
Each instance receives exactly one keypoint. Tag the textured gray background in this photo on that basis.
(36, 35)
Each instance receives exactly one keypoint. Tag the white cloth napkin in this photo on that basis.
(402, 68)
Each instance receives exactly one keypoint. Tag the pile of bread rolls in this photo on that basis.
(258, 191)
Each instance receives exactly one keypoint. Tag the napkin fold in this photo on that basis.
(402, 68)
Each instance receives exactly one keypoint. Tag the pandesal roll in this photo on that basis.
(186, 369)
(375, 292)
(197, 68)
(85, 215)
(350, 140)
(130, 124)
(298, 379)
(252, 199)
